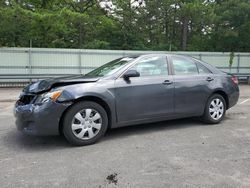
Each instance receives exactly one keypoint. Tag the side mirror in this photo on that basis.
(131, 73)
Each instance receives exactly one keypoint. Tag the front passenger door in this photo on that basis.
(148, 96)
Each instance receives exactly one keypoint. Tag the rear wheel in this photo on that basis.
(85, 123)
(215, 109)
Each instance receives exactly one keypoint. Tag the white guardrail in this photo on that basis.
(29, 64)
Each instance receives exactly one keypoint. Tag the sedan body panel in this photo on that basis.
(46, 85)
(143, 98)
(191, 94)
(102, 90)
(231, 90)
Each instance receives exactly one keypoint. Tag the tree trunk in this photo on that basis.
(172, 35)
(166, 26)
(80, 35)
(184, 35)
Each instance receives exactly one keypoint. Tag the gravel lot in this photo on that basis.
(180, 153)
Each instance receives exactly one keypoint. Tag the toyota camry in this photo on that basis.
(126, 91)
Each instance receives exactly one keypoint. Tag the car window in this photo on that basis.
(152, 66)
(202, 69)
(184, 66)
(111, 67)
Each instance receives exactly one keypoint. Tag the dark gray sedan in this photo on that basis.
(127, 91)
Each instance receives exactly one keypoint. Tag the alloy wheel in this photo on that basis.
(86, 124)
(216, 109)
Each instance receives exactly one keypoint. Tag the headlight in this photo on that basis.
(53, 96)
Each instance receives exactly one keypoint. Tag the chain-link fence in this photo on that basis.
(21, 65)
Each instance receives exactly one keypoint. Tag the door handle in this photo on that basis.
(209, 79)
(167, 82)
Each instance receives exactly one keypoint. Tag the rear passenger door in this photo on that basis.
(192, 85)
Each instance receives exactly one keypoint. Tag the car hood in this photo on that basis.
(46, 85)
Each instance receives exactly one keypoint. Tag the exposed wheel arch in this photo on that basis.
(93, 99)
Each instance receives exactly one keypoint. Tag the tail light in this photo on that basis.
(235, 80)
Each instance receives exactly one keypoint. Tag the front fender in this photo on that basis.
(92, 91)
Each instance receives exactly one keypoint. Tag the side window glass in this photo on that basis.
(152, 66)
(202, 69)
(184, 66)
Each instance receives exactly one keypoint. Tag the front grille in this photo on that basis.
(25, 99)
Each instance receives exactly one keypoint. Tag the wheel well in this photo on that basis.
(224, 95)
(88, 98)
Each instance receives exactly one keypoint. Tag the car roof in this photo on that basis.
(157, 54)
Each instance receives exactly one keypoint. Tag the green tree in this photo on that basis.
(211, 25)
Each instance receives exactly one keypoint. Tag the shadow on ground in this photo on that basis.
(15, 139)
(152, 127)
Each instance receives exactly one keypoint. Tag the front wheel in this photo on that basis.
(85, 123)
(215, 109)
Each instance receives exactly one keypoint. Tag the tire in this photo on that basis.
(215, 109)
(85, 123)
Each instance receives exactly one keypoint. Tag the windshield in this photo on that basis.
(111, 67)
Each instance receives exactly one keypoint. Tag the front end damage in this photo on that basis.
(38, 119)
(42, 104)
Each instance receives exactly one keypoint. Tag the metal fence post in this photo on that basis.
(200, 56)
(80, 61)
(30, 64)
(238, 64)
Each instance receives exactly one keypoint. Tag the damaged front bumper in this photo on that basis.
(39, 119)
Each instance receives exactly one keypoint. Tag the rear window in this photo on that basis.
(208, 66)
(184, 66)
(202, 69)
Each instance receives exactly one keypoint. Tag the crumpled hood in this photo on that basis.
(46, 85)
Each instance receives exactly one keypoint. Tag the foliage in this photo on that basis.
(211, 25)
(231, 60)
